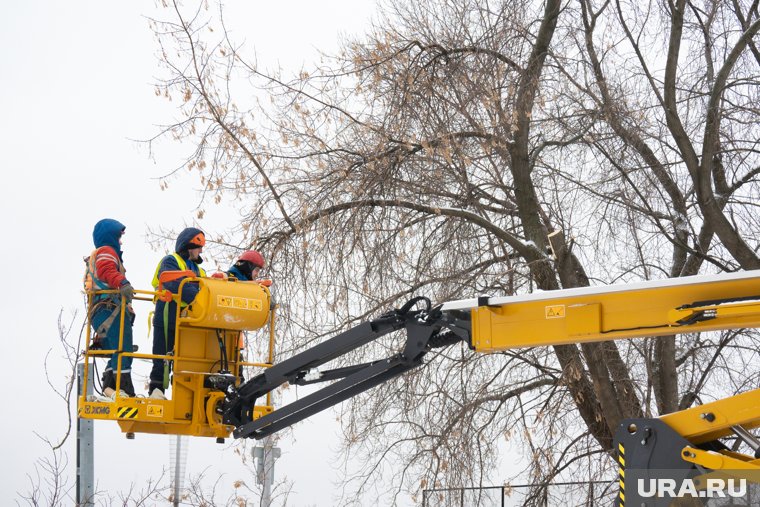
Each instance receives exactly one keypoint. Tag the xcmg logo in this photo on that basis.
(95, 410)
(706, 488)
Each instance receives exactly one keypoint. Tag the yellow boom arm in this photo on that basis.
(589, 314)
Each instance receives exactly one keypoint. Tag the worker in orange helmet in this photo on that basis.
(247, 266)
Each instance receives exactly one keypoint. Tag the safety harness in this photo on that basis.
(92, 284)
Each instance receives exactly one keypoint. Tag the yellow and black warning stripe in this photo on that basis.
(126, 412)
(621, 473)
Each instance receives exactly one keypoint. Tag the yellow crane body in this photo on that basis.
(231, 305)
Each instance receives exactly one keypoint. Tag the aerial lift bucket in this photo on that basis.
(206, 357)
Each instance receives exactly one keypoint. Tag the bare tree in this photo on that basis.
(464, 148)
(651, 131)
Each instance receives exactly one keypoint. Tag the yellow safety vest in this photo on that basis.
(182, 267)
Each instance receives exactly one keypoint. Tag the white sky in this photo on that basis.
(75, 86)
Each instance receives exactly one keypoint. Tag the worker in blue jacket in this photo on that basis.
(105, 271)
(186, 257)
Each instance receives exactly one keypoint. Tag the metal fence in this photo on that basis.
(566, 494)
(576, 494)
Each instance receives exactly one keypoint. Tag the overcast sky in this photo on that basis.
(77, 85)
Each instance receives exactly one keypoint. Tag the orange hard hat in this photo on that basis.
(253, 257)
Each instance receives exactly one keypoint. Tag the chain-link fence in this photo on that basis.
(566, 494)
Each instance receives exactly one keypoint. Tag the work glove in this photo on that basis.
(127, 292)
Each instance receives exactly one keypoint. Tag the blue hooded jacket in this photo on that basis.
(107, 233)
(234, 271)
(184, 238)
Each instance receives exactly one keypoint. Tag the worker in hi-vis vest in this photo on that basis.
(187, 257)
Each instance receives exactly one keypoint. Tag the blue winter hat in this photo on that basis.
(107, 233)
(189, 236)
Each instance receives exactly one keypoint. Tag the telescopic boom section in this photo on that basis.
(589, 314)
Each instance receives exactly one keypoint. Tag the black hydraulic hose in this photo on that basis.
(715, 302)
(96, 378)
(223, 363)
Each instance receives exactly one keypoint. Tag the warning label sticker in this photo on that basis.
(238, 303)
(555, 312)
(155, 411)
